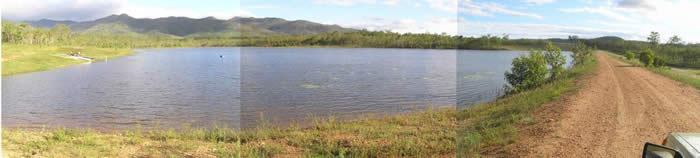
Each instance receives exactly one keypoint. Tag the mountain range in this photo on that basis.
(190, 27)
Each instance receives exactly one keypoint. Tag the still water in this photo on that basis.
(164, 87)
(235, 87)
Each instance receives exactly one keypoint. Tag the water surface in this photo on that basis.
(234, 87)
(155, 87)
(292, 83)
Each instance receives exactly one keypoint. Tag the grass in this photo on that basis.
(496, 124)
(685, 75)
(426, 133)
(18, 59)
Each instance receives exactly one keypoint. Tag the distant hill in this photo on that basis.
(204, 27)
(47, 23)
(298, 27)
(609, 38)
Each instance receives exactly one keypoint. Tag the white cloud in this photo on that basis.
(153, 12)
(667, 17)
(345, 2)
(261, 6)
(408, 25)
(242, 13)
(502, 9)
(488, 9)
(641, 4)
(542, 31)
(538, 2)
(78, 10)
(444, 5)
(391, 2)
(416, 4)
(357, 2)
(604, 11)
(85, 10)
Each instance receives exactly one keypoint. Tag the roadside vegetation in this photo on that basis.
(424, 133)
(675, 59)
(690, 76)
(674, 52)
(486, 129)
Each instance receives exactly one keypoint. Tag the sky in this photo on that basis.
(629, 19)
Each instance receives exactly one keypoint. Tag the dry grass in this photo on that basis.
(487, 128)
(428, 133)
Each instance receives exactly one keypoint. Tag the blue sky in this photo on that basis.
(630, 19)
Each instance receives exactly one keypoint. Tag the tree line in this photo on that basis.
(674, 52)
(25, 34)
(653, 51)
(388, 39)
(22, 33)
(61, 35)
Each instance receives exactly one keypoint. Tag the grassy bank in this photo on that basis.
(487, 128)
(30, 58)
(685, 75)
(417, 134)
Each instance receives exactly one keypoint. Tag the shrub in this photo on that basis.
(580, 52)
(555, 60)
(658, 61)
(647, 57)
(629, 55)
(527, 72)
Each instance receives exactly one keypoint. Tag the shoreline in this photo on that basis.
(489, 129)
(423, 133)
(120, 52)
(426, 132)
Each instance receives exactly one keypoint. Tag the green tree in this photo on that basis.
(654, 38)
(527, 72)
(580, 53)
(62, 31)
(629, 55)
(555, 60)
(675, 40)
(659, 61)
(573, 38)
(647, 57)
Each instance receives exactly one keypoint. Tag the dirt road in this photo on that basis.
(617, 110)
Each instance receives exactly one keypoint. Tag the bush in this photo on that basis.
(555, 60)
(629, 55)
(647, 57)
(527, 72)
(580, 53)
(659, 62)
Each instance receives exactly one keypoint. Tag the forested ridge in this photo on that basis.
(61, 34)
(674, 52)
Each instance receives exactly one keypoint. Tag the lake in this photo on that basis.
(164, 87)
(236, 87)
